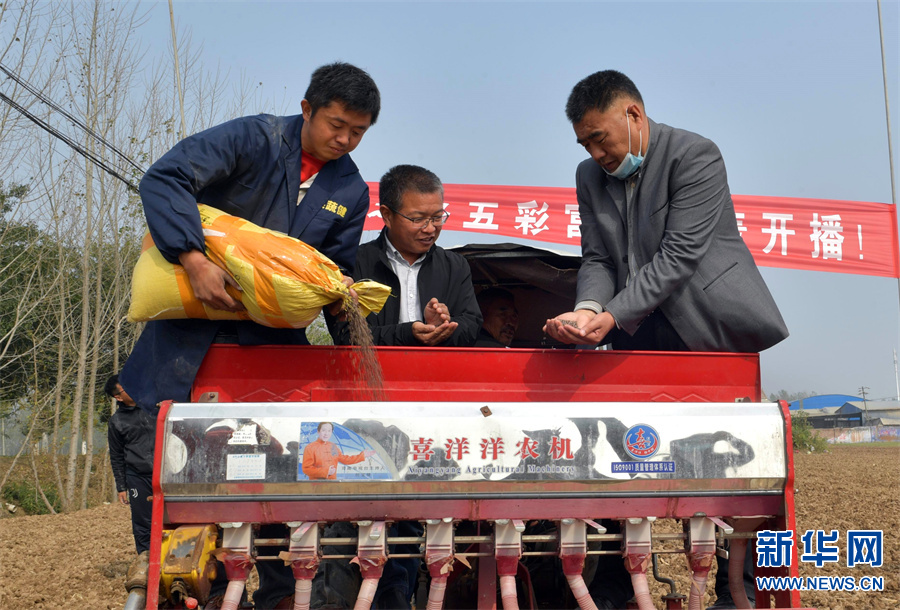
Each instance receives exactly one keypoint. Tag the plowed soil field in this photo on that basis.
(79, 560)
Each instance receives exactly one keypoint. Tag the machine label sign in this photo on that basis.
(348, 446)
(244, 435)
(245, 467)
(633, 467)
(641, 441)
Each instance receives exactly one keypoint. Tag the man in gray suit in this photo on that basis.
(664, 266)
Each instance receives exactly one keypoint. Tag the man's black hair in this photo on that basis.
(599, 91)
(402, 178)
(347, 84)
(110, 386)
(324, 423)
(487, 297)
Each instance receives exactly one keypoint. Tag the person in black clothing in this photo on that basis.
(501, 318)
(131, 435)
(432, 299)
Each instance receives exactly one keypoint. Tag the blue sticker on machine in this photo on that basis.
(641, 441)
(639, 467)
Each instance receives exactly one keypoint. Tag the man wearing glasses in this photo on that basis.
(432, 303)
(432, 300)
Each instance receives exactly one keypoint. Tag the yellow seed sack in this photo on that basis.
(284, 282)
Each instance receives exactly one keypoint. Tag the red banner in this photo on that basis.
(813, 234)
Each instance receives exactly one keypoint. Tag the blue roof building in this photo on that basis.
(822, 401)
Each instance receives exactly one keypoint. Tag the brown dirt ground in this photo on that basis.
(78, 560)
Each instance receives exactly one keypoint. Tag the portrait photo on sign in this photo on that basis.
(329, 451)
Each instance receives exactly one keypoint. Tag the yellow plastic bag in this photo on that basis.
(285, 282)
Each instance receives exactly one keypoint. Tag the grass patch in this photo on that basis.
(26, 496)
(22, 477)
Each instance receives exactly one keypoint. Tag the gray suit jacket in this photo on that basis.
(691, 261)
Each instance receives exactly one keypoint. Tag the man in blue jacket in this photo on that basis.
(291, 174)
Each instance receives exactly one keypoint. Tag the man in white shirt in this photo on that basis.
(432, 300)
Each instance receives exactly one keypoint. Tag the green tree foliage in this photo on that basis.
(39, 281)
(804, 435)
(790, 396)
(24, 265)
(10, 196)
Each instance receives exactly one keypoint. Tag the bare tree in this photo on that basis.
(69, 233)
(26, 33)
(106, 59)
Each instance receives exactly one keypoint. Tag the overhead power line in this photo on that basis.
(887, 116)
(98, 161)
(46, 126)
(43, 98)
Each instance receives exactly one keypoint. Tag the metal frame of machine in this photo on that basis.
(326, 375)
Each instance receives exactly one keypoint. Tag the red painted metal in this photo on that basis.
(237, 565)
(299, 374)
(674, 602)
(371, 553)
(474, 510)
(158, 511)
(487, 578)
(787, 519)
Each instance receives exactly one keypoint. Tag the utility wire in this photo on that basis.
(100, 162)
(887, 116)
(43, 98)
(887, 107)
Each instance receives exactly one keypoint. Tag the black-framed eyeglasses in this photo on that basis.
(421, 223)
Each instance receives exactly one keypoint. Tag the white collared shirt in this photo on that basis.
(305, 187)
(631, 184)
(409, 286)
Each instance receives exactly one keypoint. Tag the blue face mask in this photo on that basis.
(630, 163)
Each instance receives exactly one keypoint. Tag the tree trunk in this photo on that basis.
(85, 273)
(57, 394)
(95, 358)
(37, 485)
(105, 475)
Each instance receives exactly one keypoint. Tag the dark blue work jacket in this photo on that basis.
(248, 167)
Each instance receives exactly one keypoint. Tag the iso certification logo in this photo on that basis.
(641, 441)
